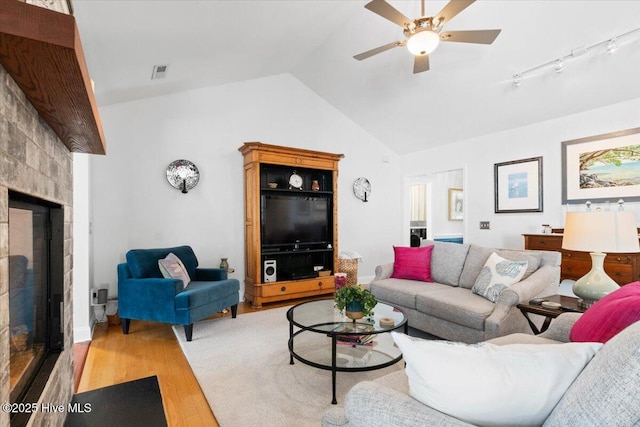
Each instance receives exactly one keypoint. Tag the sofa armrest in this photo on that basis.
(369, 404)
(210, 274)
(561, 327)
(383, 271)
(541, 283)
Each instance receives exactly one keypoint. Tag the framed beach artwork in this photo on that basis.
(518, 186)
(602, 168)
(456, 207)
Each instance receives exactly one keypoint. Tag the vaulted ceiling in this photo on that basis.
(468, 92)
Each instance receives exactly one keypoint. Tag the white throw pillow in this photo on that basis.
(172, 268)
(497, 275)
(492, 385)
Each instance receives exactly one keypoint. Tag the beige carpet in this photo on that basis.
(243, 368)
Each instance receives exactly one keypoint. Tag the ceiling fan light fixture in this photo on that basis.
(423, 42)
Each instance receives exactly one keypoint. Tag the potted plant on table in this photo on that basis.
(357, 301)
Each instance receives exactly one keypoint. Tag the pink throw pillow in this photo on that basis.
(412, 263)
(608, 316)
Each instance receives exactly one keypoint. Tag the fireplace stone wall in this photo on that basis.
(34, 161)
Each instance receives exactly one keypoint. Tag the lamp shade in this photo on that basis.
(608, 232)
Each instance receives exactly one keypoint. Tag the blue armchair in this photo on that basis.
(144, 294)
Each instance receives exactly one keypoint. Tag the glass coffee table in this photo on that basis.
(326, 339)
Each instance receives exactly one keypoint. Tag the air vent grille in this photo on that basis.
(159, 72)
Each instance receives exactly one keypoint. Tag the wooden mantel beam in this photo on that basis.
(41, 50)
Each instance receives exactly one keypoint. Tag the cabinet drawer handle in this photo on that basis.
(568, 255)
(541, 243)
(618, 274)
(320, 284)
(618, 259)
(283, 289)
(569, 269)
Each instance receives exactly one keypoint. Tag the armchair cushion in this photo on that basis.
(489, 377)
(143, 263)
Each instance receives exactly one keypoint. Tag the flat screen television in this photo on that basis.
(291, 220)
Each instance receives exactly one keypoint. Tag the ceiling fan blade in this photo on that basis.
(452, 8)
(384, 9)
(474, 36)
(420, 64)
(380, 49)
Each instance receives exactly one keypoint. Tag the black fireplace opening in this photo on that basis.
(36, 289)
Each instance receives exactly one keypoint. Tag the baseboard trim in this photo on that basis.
(82, 334)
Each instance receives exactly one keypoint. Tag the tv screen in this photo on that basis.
(291, 220)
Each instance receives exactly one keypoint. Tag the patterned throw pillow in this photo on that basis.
(497, 275)
(172, 268)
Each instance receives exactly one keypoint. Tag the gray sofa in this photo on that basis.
(604, 394)
(449, 309)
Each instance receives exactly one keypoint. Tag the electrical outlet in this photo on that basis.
(484, 225)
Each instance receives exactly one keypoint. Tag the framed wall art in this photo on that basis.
(518, 186)
(456, 206)
(602, 168)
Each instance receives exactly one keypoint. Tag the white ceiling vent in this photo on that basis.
(159, 72)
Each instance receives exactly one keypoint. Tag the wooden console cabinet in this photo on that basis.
(622, 267)
(267, 169)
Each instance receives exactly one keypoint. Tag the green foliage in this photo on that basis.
(612, 156)
(349, 294)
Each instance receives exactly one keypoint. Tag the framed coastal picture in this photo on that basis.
(602, 168)
(518, 186)
(456, 207)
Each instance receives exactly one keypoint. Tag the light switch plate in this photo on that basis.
(485, 225)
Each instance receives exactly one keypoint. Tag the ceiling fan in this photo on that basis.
(425, 33)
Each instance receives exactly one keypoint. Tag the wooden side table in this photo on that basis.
(568, 304)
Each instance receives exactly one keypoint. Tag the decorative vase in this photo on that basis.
(314, 185)
(354, 310)
(224, 264)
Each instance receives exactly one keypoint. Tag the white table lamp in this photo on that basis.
(599, 233)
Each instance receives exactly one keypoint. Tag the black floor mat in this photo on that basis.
(134, 403)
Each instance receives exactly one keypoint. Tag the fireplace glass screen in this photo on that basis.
(32, 298)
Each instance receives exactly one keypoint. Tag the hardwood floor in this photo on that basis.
(151, 348)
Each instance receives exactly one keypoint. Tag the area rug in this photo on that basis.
(130, 404)
(243, 368)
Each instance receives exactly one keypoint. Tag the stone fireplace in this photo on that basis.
(36, 163)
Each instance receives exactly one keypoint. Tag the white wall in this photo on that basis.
(134, 206)
(82, 321)
(478, 155)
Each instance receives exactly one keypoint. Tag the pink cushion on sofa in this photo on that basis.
(608, 316)
(412, 263)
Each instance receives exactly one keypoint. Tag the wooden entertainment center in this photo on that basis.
(297, 182)
(622, 267)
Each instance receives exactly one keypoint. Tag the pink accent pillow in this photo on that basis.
(608, 316)
(412, 263)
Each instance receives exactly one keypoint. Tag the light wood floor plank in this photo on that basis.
(151, 348)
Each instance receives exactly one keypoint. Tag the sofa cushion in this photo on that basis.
(447, 261)
(606, 393)
(457, 305)
(412, 263)
(478, 256)
(497, 275)
(489, 378)
(172, 268)
(143, 263)
(609, 316)
(401, 291)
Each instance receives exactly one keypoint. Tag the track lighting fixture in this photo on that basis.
(559, 63)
